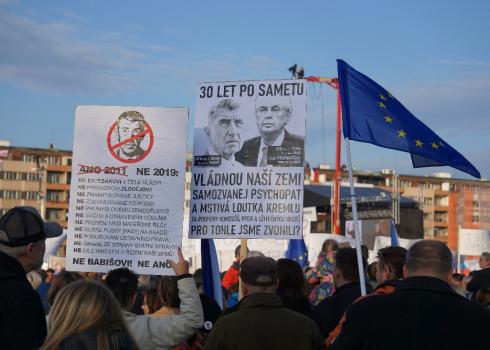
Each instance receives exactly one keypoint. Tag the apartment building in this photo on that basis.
(36, 177)
(447, 203)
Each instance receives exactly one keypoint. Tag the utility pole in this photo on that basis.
(40, 174)
(395, 199)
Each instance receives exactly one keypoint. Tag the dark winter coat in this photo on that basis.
(261, 322)
(423, 313)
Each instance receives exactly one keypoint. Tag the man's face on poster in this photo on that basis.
(272, 114)
(224, 132)
(126, 130)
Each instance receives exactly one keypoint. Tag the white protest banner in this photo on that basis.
(127, 188)
(248, 156)
(473, 241)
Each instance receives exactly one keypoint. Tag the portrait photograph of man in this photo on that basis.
(129, 125)
(224, 132)
(272, 115)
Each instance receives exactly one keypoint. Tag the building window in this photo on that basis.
(11, 194)
(10, 175)
(429, 232)
(53, 160)
(32, 196)
(53, 196)
(53, 215)
(33, 177)
(28, 158)
(54, 178)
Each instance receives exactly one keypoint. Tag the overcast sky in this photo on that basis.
(434, 56)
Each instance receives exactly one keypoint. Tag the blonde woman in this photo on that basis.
(85, 315)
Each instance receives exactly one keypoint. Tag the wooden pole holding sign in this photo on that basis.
(243, 256)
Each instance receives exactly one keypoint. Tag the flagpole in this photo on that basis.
(362, 279)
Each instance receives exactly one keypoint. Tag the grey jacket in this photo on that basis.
(166, 332)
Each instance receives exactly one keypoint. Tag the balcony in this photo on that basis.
(440, 224)
(59, 168)
(444, 208)
(57, 205)
(57, 186)
(441, 193)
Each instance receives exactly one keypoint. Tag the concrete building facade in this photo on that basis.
(36, 177)
(447, 203)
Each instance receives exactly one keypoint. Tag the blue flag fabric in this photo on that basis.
(394, 235)
(297, 251)
(211, 278)
(371, 114)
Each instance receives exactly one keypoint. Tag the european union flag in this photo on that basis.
(393, 235)
(371, 114)
(211, 278)
(297, 251)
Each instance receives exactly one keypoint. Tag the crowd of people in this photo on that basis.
(414, 301)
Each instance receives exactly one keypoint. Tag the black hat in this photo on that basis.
(259, 271)
(23, 225)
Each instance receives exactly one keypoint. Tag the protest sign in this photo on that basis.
(473, 241)
(248, 157)
(126, 203)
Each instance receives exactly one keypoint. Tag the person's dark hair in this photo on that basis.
(329, 245)
(394, 258)
(483, 296)
(60, 280)
(198, 277)
(152, 300)
(123, 283)
(364, 252)
(168, 291)
(291, 277)
(237, 251)
(429, 255)
(371, 271)
(458, 277)
(346, 262)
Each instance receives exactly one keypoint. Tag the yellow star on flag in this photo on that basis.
(388, 119)
(434, 145)
(381, 104)
(402, 133)
(419, 143)
(382, 97)
(300, 258)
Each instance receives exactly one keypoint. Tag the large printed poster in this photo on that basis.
(248, 158)
(127, 188)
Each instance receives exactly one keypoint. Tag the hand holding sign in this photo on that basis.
(181, 267)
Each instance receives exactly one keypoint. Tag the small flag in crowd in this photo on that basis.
(394, 235)
(297, 251)
(211, 278)
(371, 114)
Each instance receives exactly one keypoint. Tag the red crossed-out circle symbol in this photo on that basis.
(116, 148)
